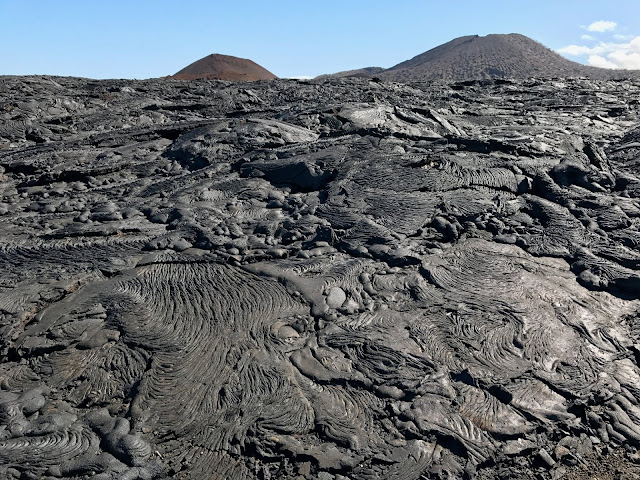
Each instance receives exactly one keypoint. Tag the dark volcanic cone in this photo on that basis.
(493, 56)
(224, 67)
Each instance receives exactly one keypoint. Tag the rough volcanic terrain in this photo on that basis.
(474, 57)
(224, 67)
(336, 279)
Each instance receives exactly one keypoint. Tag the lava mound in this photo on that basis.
(224, 67)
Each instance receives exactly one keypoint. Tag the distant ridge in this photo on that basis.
(360, 72)
(493, 56)
(224, 67)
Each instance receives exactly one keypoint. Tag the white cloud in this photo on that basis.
(602, 47)
(576, 50)
(598, 61)
(623, 52)
(628, 60)
(602, 26)
(608, 54)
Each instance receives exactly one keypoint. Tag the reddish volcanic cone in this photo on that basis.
(224, 67)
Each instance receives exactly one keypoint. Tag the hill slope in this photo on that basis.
(224, 67)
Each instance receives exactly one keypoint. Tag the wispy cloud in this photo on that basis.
(602, 26)
(587, 37)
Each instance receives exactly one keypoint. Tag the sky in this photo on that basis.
(153, 38)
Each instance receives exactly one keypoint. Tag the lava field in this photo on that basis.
(333, 279)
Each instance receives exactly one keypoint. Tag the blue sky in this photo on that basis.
(151, 38)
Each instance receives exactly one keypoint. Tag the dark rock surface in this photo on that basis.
(341, 279)
(475, 57)
(224, 67)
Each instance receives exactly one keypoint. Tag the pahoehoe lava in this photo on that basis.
(343, 278)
